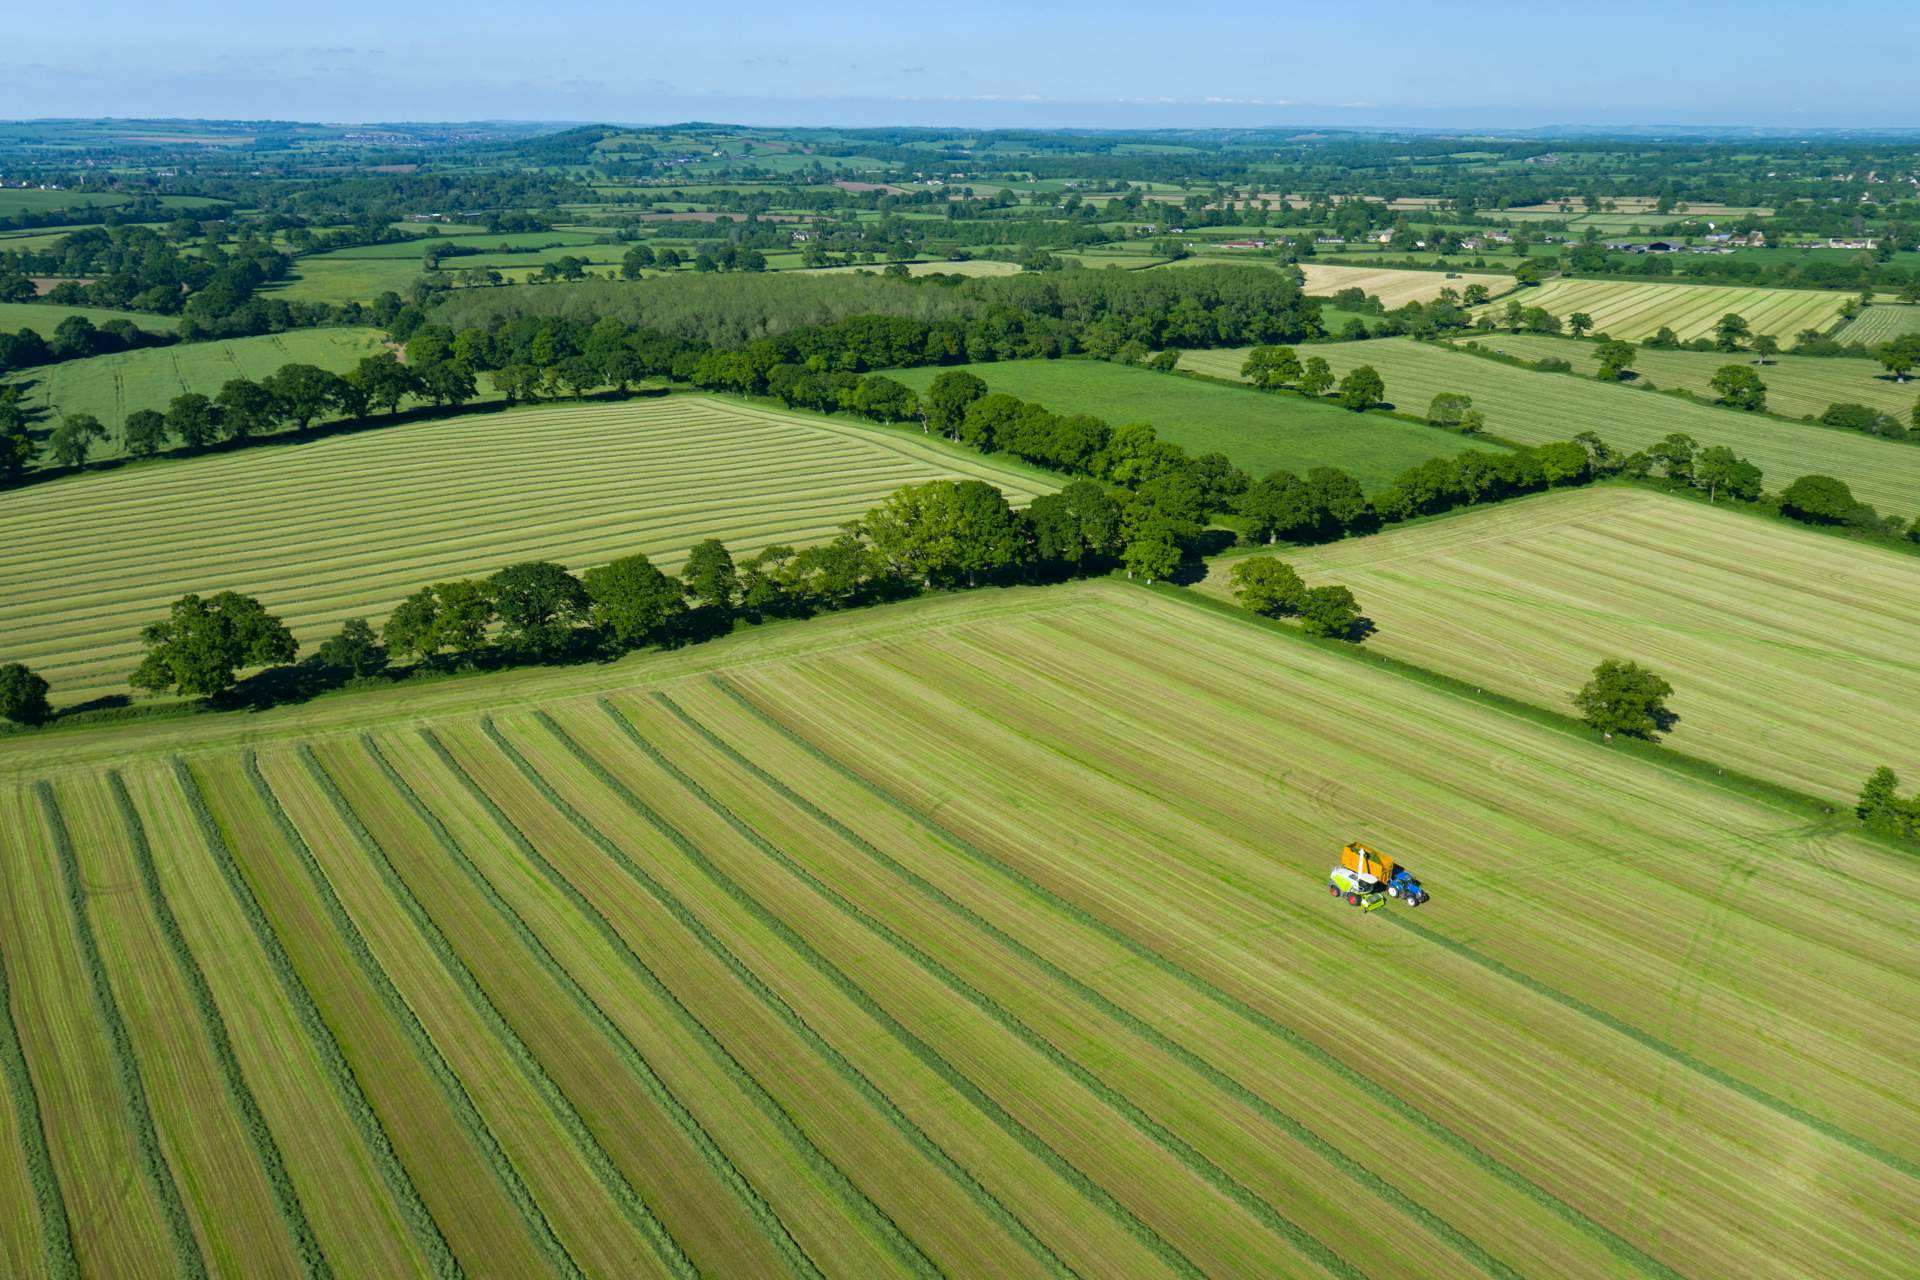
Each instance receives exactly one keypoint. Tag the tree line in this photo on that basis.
(938, 535)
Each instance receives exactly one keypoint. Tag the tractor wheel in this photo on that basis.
(1353, 899)
(1392, 892)
(1334, 889)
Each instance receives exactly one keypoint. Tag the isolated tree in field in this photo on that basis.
(1475, 295)
(1625, 698)
(539, 604)
(631, 602)
(1330, 612)
(709, 577)
(1664, 339)
(354, 650)
(1900, 355)
(947, 399)
(1449, 409)
(305, 391)
(246, 408)
(1764, 345)
(196, 649)
(1271, 367)
(1615, 358)
(1267, 586)
(1739, 388)
(1316, 376)
(1818, 499)
(23, 695)
(1579, 324)
(193, 418)
(74, 439)
(145, 432)
(1719, 470)
(1729, 331)
(384, 380)
(1362, 388)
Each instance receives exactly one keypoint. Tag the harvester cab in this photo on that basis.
(1379, 873)
(1342, 883)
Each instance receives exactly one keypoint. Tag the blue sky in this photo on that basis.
(1070, 62)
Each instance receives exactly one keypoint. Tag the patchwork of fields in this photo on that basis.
(1396, 288)
(1534, 408)
(1797, 386)
(1790, 653)
(1634, 310)
(1258, 432)
(345, 527)
(983, 935)
(111, 387)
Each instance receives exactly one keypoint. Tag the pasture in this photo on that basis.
(1397, 287)
(1634, 310)
(981, 935)
(113, 386)
(1797, 386)
(1259, 432)
(44, 317)
(1882, 322)
(345, 527)
(1738, 613)
(334, 278)
(1534, 408)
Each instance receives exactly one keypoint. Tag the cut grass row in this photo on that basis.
(1534, 408)
(1634, 310)
(1797, 386)
(1396, 288)
(338, 528)
(1789, 651)
(1259, 433)
(1882, 322)
(993, 941)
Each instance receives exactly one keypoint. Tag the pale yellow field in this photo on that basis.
(1396, 288)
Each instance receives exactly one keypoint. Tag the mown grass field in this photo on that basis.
(1881, 322)
(1789, 652)
(982, 935)
(1634, 310)
(1796, 385)
(1396, 288)
(346, 527)
(1533, 408)
(1258, 432)
(111, 387)
(44, 317)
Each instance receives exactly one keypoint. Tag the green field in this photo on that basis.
(1533, 408)
(111, 387)
(1258, 432)
(43, 318)
(1790, 653)
(1879, 323)
(330, 278)
(345, 527)
(981, 935)
(1634, 310)
(1797, 386)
